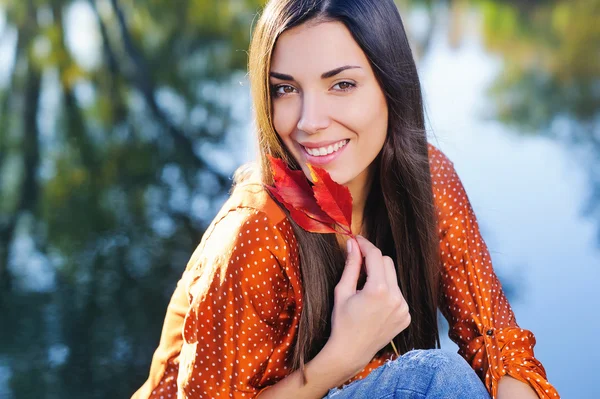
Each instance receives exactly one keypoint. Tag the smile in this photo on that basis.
(323, 155)
(323, 151)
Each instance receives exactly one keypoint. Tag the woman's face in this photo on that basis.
(328, 107)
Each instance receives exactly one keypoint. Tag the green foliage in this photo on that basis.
(550, 81)
(95, 181)
(99, 165)
(552, 60)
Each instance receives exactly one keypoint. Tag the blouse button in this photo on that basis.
(490, 332)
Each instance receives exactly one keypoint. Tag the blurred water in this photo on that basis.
(528, 193)
(5, 374)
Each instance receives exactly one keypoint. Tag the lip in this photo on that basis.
(325, 159)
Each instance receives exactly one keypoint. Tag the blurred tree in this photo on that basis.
(549, 83)
(550, 79)
(106, 184)
(552, 60)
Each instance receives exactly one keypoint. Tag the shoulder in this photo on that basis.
(250, 204)
(440, 166)
(253, 195)
(444, 179)
(250, 227)
(250, 250)
(449, 194)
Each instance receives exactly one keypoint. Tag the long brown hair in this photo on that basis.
(399, 213)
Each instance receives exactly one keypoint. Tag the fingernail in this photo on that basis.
(349, 245)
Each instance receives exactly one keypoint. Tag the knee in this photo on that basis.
(438, 364)
(438, 359)
(450, 374)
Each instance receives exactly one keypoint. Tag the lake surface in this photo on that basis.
(524, 151)
(528, 194)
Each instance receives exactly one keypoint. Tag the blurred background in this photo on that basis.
(121, 122)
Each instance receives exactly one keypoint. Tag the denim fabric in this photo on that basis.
(431, 374)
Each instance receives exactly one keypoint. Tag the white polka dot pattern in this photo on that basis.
(480, 317)
(239, 328)
(241, 299)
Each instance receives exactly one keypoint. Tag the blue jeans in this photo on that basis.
(431, 374)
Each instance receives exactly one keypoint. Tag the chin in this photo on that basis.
(339, 178)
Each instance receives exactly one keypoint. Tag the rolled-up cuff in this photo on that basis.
(498, 352)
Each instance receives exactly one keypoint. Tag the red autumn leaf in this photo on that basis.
(332, 197)
(303, 219)
(318, 209)
(293, 190)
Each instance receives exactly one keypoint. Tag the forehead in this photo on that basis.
(311, 49)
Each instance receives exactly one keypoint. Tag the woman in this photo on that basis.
(267, 308)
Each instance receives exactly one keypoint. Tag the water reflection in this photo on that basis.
(548, 83)
(527, 172)
(104, 198)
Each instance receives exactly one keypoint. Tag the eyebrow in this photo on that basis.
(325, 75)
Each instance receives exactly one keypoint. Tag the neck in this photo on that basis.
(359, 188)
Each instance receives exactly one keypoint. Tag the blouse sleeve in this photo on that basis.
(481, 320)
(237, 290)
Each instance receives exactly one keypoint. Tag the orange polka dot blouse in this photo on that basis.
(231, 323)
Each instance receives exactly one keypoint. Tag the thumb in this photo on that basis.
(347, 284)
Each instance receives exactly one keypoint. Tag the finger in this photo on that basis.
(347, 284)
(373, 261)
(391, 275)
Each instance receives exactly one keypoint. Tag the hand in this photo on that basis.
(364, 321)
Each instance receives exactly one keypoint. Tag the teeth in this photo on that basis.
(326, 150)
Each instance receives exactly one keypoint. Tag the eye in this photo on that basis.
(282, 90)
(345, 86)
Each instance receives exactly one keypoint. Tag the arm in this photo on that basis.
(238, 326)
(323, 372)
(481, 320)
(510, 388)
(357, 332)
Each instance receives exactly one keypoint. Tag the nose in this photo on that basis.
(314, 115)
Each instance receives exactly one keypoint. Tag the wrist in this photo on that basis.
(339, 359)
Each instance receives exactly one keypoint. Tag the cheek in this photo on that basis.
(376, 111)
(379, 122)
(367, 116)
(285, 118)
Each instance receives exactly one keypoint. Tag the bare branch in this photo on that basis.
(144, 83)
(29, 191)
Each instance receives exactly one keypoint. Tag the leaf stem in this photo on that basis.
(394, 347)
